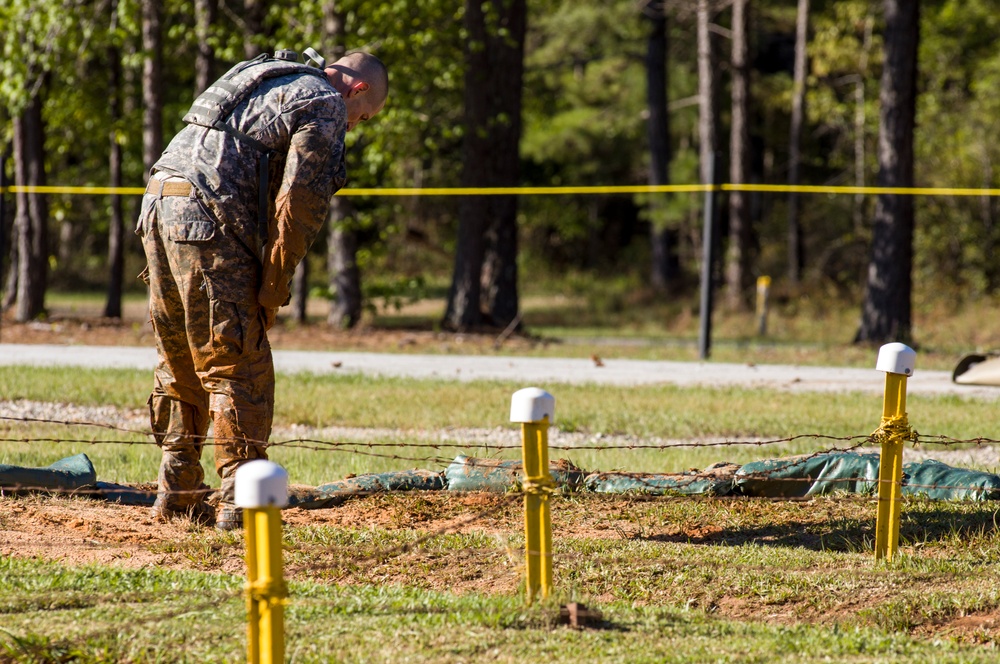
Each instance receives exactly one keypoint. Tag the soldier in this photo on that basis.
(231, 207)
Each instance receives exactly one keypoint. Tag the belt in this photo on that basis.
(161, 189)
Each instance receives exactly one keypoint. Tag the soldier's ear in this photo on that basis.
(358, 88)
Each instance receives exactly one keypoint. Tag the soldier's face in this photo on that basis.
(361, 105)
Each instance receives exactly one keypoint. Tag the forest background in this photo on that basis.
(550, 93)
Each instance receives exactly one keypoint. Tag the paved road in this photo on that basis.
(529, 371)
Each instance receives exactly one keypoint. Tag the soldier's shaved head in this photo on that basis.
(361, 67)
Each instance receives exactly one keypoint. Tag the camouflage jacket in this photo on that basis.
(303, 120)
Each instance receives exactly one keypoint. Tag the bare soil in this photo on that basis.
(82, 531)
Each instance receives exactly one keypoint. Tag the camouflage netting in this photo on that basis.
(789, 477)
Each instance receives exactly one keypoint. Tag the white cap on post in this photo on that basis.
(532, 404)
(896, 358)
(261, 483)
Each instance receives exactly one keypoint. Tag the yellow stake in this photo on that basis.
(893, 432)
(266, 590)
(537, 517)
(535, 408)
(262, 490)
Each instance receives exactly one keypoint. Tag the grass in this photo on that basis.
(677, 580)
(760, 585)
(396, 420)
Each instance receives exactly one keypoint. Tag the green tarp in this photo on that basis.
(851, 472)
(67, 474)
(789, 477)
(716, 480)
(809, 475)
(940, 481)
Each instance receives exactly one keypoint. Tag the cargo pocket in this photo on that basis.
(186, 219)
(228, 315)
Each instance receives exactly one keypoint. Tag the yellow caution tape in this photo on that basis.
(541, 191)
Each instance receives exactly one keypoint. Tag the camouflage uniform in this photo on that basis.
(215, 283)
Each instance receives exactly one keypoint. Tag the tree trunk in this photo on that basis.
(205, 12)
(708, 129)
(342, 264)
(859, 125)
(664, 262)
(499, 276)
(740, 246)
(886, 310)
(32, 213)
(796, 253)
(152, 83)
(6, 239)
(494, 58)
(116, 235)
(300, 291)
(342, 240)
(254, 13)
(707, 103)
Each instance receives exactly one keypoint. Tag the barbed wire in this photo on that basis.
(320, 444)
(643, 482)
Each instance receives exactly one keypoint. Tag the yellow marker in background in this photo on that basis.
(262, 490)
(897, 361)
(534, 408)
(763, 300)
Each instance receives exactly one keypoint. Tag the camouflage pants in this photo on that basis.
(213, 357)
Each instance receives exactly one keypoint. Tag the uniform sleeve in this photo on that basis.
(314, 171)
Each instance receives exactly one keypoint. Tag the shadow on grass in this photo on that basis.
(848, 534)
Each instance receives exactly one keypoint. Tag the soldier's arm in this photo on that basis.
(314, 171)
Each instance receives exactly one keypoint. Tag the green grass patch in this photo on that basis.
(675, 580)
(410, 420)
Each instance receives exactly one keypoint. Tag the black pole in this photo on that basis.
(708, 263)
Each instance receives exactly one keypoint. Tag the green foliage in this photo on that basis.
(584, 122)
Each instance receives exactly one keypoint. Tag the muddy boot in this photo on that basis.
(163, 511)
(229, 517)
(239, 438)
(179, 431)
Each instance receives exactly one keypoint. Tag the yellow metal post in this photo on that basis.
(537, 515)
(265, 586)
(262, 490)
(893, 431)
(534, 408)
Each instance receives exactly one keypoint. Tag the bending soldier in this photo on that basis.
(231, 207)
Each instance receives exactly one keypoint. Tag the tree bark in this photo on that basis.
(859, 125)
(886, 310)
(116, 235)
(796, 250)
(664, 262)
(342, 264)
(205, 12)
(6, 240)
(254, 13)
(342, 240)
(152, 83)
(32, 213)
(494, 58)
(707, 102)
(740, 246)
